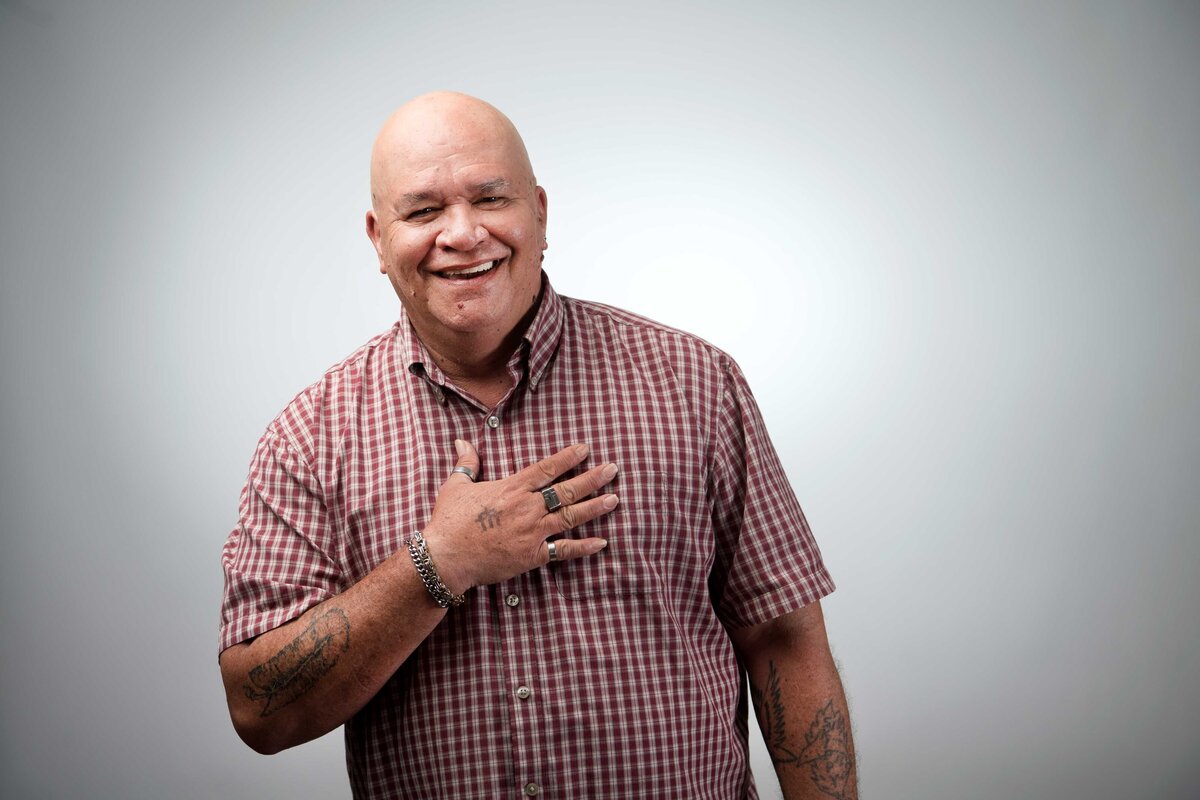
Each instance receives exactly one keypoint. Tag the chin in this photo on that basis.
(470, 321)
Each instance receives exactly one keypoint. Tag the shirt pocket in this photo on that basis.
(633, 530)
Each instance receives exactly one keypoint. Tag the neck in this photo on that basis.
(476, 360)
(476, 367)
(471, 356)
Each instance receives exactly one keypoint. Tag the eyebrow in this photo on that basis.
(489, 187)
(494, 186)
(412, 198)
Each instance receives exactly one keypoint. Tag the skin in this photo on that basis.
(452, 188)
(800, 705)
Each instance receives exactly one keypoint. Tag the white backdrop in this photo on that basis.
(955, 247)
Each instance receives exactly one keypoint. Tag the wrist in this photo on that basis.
(451, 567)
(427, 571)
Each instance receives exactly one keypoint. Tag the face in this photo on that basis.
(459, 227)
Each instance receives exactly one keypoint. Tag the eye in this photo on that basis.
(419, 213)
(489, 201)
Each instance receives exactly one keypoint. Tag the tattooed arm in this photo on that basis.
(308, 676)
(800, 704)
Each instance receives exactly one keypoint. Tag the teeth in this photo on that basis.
(462, 273)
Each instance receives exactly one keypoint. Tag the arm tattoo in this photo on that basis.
(488, 518)
(295, 669)
(826, 750)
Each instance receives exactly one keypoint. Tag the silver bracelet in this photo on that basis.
(440, 593)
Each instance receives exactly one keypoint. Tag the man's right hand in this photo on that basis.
(486, 532)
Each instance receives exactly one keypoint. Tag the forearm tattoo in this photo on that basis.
(295, 669)
(826, 751)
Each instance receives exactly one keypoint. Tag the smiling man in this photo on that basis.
(459, 224)
(520, 544)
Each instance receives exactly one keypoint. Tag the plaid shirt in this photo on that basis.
(606, 676)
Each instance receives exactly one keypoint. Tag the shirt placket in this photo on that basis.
(520, 617)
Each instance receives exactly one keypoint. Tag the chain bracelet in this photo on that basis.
(440, 593)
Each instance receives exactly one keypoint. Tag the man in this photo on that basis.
(522, 545)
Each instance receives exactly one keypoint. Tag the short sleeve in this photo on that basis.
(279, 560)
(767, 562)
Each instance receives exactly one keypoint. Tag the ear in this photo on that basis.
(373, 234)
(541, 206)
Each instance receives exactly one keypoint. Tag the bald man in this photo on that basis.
(520, 544)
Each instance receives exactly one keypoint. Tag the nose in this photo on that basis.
(461, 229)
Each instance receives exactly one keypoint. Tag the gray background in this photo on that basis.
(954, 246)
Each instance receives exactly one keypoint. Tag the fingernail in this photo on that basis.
(609, 472)
(581, 450)
(610, 501)
(459, 446)
(603, 544)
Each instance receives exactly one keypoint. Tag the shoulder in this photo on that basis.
(656, 359)
(648, 335)
(328, 405)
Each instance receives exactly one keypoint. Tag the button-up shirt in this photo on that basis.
(606, 676)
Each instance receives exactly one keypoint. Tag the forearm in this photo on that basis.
(307, 677)
(801, 708)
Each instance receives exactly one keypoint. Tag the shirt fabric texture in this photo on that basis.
(606, 676)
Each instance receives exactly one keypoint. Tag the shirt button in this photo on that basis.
(493, 422)
(512, 601)
(524, 692)
(532, 789)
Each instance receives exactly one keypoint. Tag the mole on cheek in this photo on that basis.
(461, 306)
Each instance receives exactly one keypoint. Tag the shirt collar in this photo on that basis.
(537, 348)
(544, 334)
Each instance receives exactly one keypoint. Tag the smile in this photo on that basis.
(471, 272)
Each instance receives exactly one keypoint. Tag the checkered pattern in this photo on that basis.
(631, 685)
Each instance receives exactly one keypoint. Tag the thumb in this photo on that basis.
(467, 457)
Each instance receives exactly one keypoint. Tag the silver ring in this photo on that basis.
(465, 471)
(551, 499)
(553, 550)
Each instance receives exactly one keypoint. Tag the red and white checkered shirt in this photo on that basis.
(607, 676)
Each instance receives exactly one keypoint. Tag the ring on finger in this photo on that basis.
(553, 547)
(465, 471)
(550, 497)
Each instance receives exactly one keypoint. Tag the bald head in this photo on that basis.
(458, 223)
(444, 124)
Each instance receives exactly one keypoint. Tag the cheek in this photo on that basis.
(402, 288)
(404, 253)
(402, 271)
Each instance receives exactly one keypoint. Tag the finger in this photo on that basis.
(541, 474)
(575, 515)
(567, 549)
(467, 457)
(579, 487)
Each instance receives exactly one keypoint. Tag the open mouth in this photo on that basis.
(471, 272)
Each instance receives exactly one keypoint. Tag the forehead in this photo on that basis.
(445, 155)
